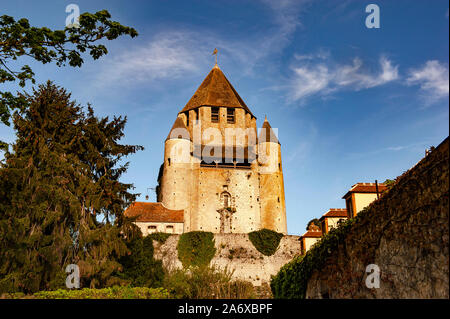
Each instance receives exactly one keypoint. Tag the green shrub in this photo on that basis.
(115, 292)
(196, 248)
(140, 269)
(159, 237)
(206, 283)
(265, 241)
(292, 279)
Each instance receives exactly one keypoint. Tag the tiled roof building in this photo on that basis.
(332, 218)
(361, 195)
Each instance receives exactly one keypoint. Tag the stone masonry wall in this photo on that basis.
(405, 233)
(236, 252)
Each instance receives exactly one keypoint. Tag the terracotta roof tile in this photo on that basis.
(154, 212)
(335, 212)
(365, 188)
(312, 234)
(215, 90)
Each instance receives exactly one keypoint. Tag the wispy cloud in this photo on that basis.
(286, 14)
(168, 55)
(433, 78)
(322, 54)
(322, 79)
(171, 54)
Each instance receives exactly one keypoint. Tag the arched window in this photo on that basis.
(226, 200)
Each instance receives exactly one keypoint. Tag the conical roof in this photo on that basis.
(178, 124)
(267, 134)
(215, 90)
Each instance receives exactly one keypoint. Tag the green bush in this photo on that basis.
(115, 292)
(265, 241)
(159, 237)
(206, 283)
(196, 248)
(292, 279)
(140, 269)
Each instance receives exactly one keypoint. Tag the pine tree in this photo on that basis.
(61, 201)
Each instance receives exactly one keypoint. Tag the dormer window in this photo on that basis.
(215, 114)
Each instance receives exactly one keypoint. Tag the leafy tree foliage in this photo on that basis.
(314, 221)
(18, 39)
(139, 266)
(389, 183)
(61, 178)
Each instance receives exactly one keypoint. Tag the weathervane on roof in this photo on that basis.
(215, 53)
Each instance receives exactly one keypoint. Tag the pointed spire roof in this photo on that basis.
(178, 124)
(215, 90)
(267, 134)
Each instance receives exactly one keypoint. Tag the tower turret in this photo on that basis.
(273, 208)
(176, 178)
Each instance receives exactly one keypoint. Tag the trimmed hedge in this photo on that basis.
(266, 241)
(196, 248)
(116, 292)
(292, 279)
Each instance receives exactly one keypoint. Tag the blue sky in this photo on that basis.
(351, 104)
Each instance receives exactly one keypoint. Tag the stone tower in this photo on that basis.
(225, 177)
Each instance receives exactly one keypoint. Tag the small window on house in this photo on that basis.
(169, 229)
(151, 229)
(230, 115)
(187, 118)
(215, 114)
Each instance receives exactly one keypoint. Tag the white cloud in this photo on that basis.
(321, 54)
(308, 81)
(354, 75)
(286, 13)
(168, 55)
(172, 54)
(433, 79)
(322, 79)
